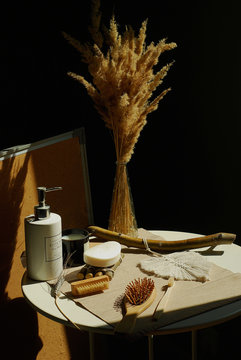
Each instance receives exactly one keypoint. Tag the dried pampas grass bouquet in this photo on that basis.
(123, 82)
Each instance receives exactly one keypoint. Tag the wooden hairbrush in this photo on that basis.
(139, 295)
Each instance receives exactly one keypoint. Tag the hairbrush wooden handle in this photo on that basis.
(163, 245)
(127, 324)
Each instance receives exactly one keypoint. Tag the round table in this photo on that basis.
(38, 294)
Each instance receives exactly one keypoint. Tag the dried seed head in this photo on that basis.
(138, 291)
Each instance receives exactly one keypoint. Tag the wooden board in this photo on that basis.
(58, 161)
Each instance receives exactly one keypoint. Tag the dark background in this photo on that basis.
(185, 172)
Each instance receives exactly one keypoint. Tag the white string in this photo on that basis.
(146, 244)
(151, 251)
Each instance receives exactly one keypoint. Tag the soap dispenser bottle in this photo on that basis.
(43, 240)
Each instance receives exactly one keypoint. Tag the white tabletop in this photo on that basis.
(38, 294)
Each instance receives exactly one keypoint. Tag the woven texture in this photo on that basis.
(180, 265)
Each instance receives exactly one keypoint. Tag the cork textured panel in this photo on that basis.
(58, 164)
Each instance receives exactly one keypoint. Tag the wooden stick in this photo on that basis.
(163, 245)
(163, 300)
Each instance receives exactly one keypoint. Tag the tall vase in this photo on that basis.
(122, 215)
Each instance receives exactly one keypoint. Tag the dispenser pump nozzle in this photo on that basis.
(42, 210)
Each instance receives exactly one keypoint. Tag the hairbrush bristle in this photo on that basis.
(139, 290)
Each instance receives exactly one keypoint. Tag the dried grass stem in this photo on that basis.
(123, 84)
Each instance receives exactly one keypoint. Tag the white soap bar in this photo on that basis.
(103, 255)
